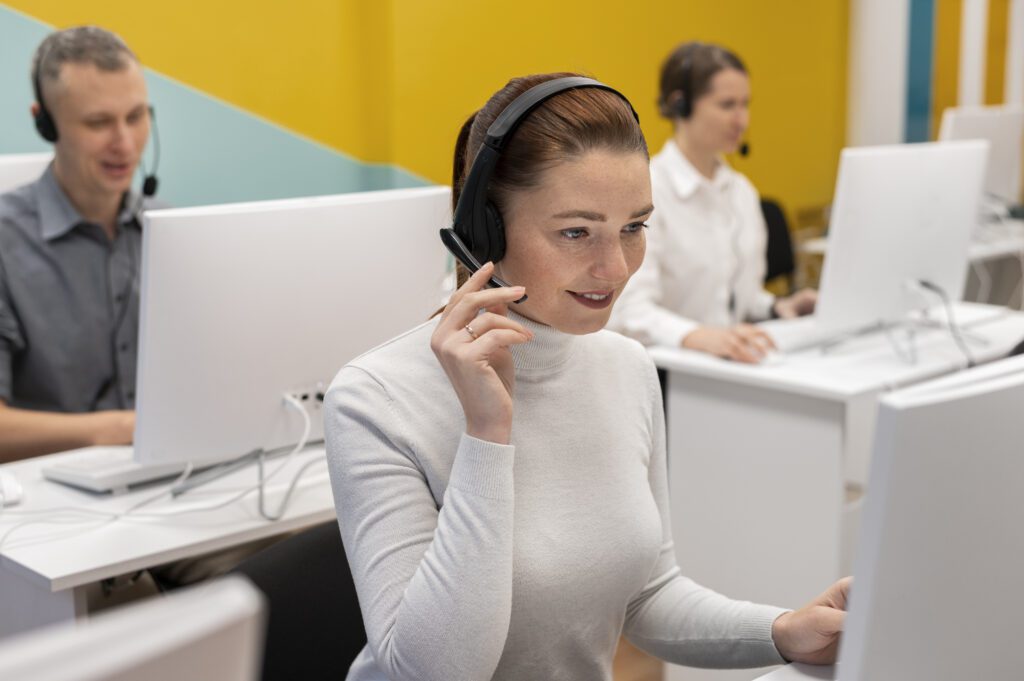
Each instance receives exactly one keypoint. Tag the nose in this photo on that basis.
(610, 262)
(122, 138)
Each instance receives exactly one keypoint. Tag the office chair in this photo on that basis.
(314, 626)
(781, 260)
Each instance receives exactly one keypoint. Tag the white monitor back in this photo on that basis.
(212, 632)
(242, 303)
(937, 580)
(1003, 127)
(19, 169)
(901, 213)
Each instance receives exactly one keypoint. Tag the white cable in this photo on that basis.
(132, 511)
(954, 328)
(984, 280)
(307, 428)
(105, 516)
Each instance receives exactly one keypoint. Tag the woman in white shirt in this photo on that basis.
(702, 277)
(499, 471)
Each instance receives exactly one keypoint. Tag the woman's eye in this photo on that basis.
(635, 227)
(573, 234)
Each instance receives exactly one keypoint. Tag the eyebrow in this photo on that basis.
(599, 217)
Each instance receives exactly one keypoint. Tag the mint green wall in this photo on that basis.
(211, 152)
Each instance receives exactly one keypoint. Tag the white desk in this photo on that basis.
(759, 457)
(45, 566)
(801, 672)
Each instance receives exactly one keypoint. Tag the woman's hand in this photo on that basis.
(742, 343)
(811, 634)
(797, 305)
(473, 349)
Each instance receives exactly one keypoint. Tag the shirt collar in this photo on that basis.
(57, 216)
(686, 179)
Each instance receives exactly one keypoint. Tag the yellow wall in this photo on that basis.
(451, 56)
(392, 80)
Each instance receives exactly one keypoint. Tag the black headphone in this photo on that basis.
(477, 234)
(47, 129)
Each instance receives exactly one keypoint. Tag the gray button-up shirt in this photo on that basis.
(69, 303)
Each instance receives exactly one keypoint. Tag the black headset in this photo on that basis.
(47, 129)
(477, 234)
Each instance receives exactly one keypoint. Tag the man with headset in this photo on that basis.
(70, 246)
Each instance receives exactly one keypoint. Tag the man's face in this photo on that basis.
(102, 120)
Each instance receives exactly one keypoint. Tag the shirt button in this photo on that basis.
(124, 347)
(119, 297)
(130, 394)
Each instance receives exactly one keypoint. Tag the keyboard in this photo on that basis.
(107, 469)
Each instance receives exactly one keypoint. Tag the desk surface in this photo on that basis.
(68, 549)
(861, 365)
(800, 672)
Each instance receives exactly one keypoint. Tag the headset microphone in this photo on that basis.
(744, 149)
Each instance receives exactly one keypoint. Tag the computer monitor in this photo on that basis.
(20, 169)
(243, 303)
(901, 213)
(211, 632)
(941, 554)
(1003, 127)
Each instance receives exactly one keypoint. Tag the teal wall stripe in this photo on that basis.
(211, 152)
(919, 71)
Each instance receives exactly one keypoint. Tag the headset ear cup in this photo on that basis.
(683, 106)
(495, 233)
(45, 127)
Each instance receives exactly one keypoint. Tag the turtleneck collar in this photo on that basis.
(548, 350)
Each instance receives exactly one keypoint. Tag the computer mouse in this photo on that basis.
(772, 358)
(10, 489)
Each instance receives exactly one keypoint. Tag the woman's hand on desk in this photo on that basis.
(797, 305)
(473, 349)
(742, 343)
(811, 634)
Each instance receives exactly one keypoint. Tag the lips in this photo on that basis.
(595, 300)
(114, 169)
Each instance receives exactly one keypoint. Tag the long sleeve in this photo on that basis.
(434, 586)
(639, 312)
(678, 620)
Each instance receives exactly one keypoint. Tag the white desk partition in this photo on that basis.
(211, 632)
(19, 169)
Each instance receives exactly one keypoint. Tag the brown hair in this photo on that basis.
(688, 71)
(563, 128)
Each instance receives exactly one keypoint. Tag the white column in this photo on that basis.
(1013, 92)
(973, 34)
(877, 80)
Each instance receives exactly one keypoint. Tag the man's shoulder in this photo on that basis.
(19, 213)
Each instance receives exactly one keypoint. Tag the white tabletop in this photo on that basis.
(863, 364)
(800, 672)
(68, 549)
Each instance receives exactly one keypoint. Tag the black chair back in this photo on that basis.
(781, 260)
(314, 626)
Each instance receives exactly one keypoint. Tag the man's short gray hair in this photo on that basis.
(80, 45)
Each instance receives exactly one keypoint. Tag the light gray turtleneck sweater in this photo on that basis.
(478, 561)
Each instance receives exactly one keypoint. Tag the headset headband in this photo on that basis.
(470, 219)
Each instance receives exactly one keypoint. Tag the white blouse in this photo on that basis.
(706, 249)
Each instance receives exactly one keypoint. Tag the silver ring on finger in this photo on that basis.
(469, 330)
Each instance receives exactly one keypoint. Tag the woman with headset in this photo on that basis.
(702, 279)
(499, 471)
